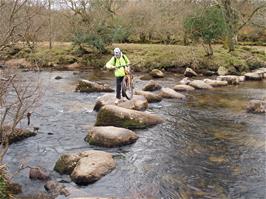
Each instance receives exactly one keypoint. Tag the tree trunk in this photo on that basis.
(210, 50)
(230, 21)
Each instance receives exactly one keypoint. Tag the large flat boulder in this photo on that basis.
(152, 86)
(231, 79)
(256, 76)
(261, 71)
(92, 167)
(111, 115)
(215, 83)
(170, 93)
(156, 73)
(199, 84)
(183, 87)
(256, 106)
(89, 87)
(109, 136)
(151, 97)
(138, 102)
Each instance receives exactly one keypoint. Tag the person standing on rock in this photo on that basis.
(118, 62)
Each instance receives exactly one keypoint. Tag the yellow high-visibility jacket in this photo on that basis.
(115, 62)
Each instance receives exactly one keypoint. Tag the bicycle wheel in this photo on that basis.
(127, 87)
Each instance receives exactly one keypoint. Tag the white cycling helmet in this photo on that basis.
(117, 52)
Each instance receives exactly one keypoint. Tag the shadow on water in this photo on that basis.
(209, 147)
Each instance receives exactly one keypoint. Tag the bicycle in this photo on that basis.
(127, 83)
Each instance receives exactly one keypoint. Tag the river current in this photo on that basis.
(209, 147)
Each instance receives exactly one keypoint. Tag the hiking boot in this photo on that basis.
(117, 101)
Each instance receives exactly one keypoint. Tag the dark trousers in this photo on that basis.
(119, 81)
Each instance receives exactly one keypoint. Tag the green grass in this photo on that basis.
(3, 188)
(150, 56)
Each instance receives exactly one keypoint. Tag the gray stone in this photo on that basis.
(111, 115)
(170, 93)
(92, 167)
(151, 97)
(183, 87)
(190, 73)
(152, 86)
(89, 87)
(109, 136)
(231, 79)
(215, 83)
(199, 84)
(254, 76)
(156, 73)
(138, 102)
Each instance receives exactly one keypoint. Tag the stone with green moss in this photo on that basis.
(111, 115)
(66, 163)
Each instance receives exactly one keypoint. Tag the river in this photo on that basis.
(209, 147)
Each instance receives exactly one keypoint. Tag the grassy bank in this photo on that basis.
(146, 57)
(3, 188)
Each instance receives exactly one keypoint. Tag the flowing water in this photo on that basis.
(209, 147)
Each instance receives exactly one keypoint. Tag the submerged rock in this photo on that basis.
(89, 86)
(38, 173)
(17, 135)
(231, 79)
(93, 166)
(58, 77)
(111, 115)
(256, 106)
(55, 188)
(254, 76)
(183, 87)
(109, 136)
(170, 93)
(215, 83)
(152, 86)
(199, 84)
(156, 73)
(151, 97)
(190, 73)
(138, 102)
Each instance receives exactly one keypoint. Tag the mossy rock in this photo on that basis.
(66, 163)
(111, 115)
(18, 134)
(67, 59)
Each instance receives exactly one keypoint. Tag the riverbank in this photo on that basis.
(145, 57)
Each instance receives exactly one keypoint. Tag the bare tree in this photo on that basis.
(237, 15)
(17, 98)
